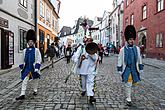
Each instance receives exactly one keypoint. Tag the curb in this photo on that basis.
(151, 65)
(19, 80)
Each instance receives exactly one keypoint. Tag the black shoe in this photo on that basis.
(20, 97)
(83, 93)
(92, 99)
(34, 93)
(129, 103)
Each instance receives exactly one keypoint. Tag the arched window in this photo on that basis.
(160, 5)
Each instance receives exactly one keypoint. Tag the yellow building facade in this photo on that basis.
(47, 24)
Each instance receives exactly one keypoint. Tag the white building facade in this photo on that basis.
(96, 33)
(114, 26)
(104, 29)
(16, 17)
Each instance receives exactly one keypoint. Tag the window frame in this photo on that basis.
(23, 3)
(159, 40)
(22, 39)
(132, 19)
(144, 12)
(126, 21)
(127, 3)
(160, 5)
(48, 15)
(42, 8)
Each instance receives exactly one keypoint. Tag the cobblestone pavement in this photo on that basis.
(54, 94)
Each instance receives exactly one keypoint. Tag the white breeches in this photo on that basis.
(88, 83)
(24, 85)
(128, 90)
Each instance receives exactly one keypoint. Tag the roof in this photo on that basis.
(65, 31)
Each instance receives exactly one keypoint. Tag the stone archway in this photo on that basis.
(142, 44)
(142, 39)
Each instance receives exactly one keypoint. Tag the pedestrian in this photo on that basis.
(51, 52)
(101, 52)
(142, 48)
(57, 50)
(30, 64)
(68, 53)
(88, 59)
(42, 53)
(130, 62)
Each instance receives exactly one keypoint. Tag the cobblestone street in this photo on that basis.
(54, 94)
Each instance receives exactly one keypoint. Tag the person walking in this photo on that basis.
(30, 64)
(101, 52)
(88, 59)
(51, 52)
(42, 53)
(68, 53)
(130, 62)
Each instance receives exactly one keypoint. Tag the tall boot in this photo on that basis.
(20, 97)
(92, 99)
(128, 93)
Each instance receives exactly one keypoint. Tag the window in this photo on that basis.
(126, 3)
(22, 39)
(56, 26)
(48, 15)
(113, 28)
(144, 12)
(160, 5)
(159, 40)
(53, 21)
(132, 19)
(126, 21)
(41, 8)
(23, 3)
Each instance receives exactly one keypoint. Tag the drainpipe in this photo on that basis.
(35, 16)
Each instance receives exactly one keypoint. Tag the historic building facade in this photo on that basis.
(16, 17)
(149, 19)
(47, 23)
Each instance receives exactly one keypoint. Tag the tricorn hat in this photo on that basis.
(31, 35)
(91, 48)
(130, 32)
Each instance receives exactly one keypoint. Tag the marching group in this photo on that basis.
(86, 56)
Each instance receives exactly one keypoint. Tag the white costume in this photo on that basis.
(87, 69)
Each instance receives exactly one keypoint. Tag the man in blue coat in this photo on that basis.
(30, 64)
(129, 62)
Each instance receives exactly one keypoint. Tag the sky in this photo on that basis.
(71, 10)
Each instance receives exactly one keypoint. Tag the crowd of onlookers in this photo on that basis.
(54, 50)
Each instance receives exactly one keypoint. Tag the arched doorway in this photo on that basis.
(142, 44)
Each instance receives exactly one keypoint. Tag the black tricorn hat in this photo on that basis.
(130, 32)
(31, 35)
(91, 48)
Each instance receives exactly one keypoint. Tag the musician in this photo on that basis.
(129, 62)
(87, 67)
(30, 64)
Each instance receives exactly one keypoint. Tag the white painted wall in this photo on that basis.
(0, 48)
(114, 23)
(11, 6)
(104, 37)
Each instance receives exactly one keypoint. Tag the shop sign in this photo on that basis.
(4, 23)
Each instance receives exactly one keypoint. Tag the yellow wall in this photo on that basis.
(50, 31)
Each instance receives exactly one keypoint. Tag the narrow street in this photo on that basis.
(54, 94)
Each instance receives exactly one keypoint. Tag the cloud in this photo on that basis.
(71, 10)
